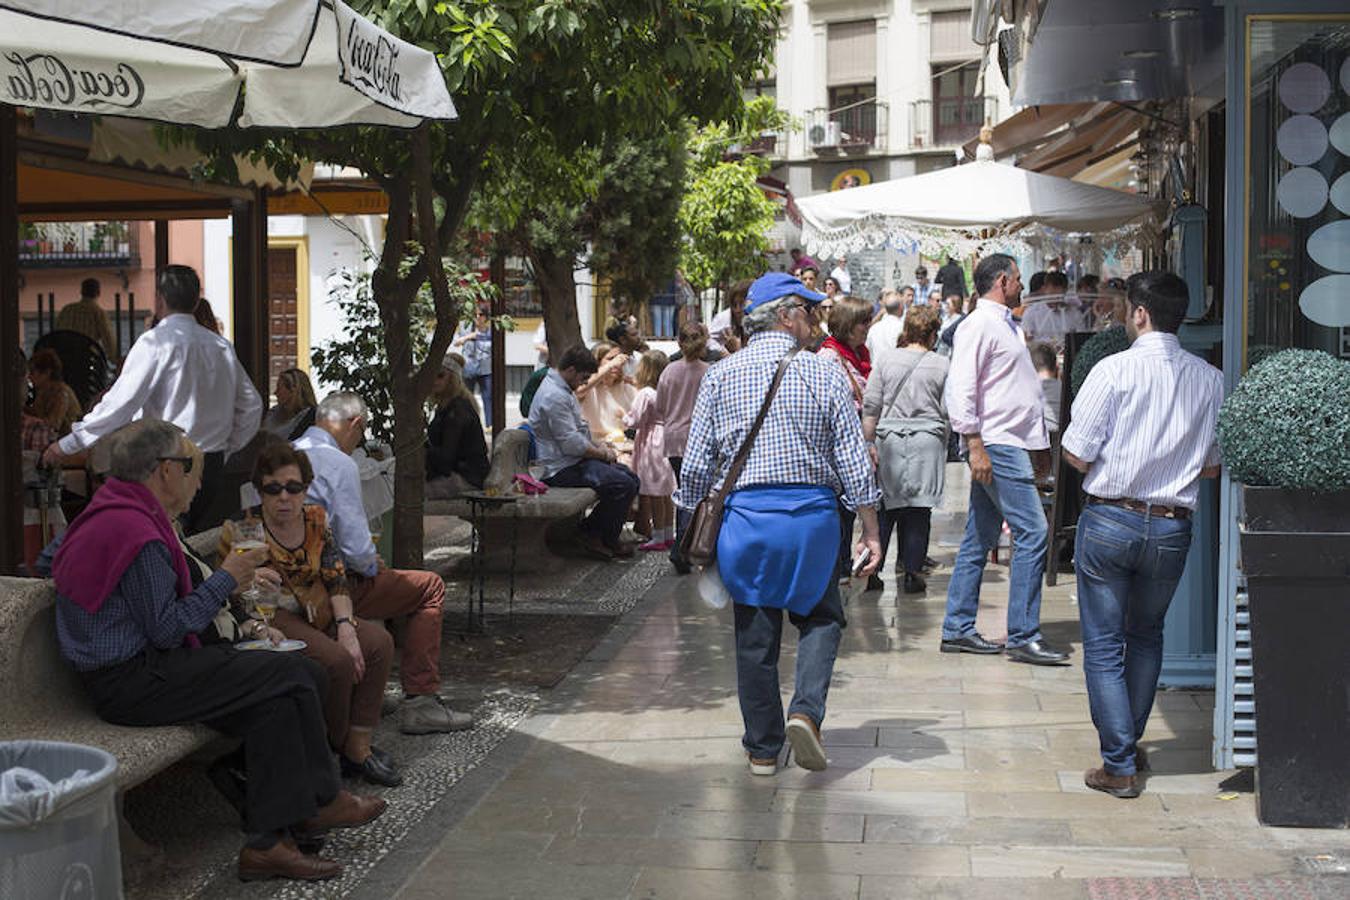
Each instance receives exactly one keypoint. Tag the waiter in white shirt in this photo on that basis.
(1143, 431)
(182, 373)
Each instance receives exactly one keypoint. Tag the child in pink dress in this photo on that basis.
(649, 458)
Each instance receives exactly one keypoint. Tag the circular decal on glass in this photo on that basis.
(1329, 246)
(1340, 193)
(1302, 192)
(1302, 140)
(1340, 134)
(1327, 301)
(1304, 87)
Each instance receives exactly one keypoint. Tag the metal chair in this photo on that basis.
(86, 366)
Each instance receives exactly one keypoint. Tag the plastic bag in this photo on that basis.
(711, 589)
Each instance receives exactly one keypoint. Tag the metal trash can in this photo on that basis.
(58, 822)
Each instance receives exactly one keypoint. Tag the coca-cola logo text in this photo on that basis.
(373, 61)
(43, 79)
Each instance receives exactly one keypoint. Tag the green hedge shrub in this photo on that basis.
(1288, 423)
(1097, 348)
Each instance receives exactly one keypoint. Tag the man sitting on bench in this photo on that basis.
(128, 618)
(570, 459)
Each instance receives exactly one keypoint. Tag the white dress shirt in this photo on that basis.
(337, 488)
(1145, 422)
(182, 373)
(883, 334)
(1047, 321)
(992, 388)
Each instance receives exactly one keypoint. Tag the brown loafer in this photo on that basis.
(804, 737)
(284, 860)
(1126, 787)
(347, 810)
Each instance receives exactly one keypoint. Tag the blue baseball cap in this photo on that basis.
(776, 285)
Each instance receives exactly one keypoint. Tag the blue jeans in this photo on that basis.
(616, 487)
(1128, 565)
(484, 383)
(682, 516)
(1012, 497)
(759, 634)
(663, 320)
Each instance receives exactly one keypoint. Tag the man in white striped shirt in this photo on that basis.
(1143, 431)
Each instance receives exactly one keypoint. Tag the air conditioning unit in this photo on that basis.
(826, 134)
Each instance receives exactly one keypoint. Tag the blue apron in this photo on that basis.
(779, 546)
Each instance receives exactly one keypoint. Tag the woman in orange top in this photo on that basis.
(316, 607)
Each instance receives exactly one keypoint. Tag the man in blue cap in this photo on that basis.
(779, 543)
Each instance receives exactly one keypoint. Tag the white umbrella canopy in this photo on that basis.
(968, 206)
(351, 72)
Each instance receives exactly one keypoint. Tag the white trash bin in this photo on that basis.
(58, 822)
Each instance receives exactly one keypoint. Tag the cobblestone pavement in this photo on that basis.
(950, 776)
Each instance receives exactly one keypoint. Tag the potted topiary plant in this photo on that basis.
(1097, 348)
(1285, 435)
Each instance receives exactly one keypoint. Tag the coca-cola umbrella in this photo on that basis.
(333, 68)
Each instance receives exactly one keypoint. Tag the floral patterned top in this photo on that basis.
(310, 573)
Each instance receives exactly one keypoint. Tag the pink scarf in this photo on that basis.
(103, 541)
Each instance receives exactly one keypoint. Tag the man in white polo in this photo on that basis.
(1143, 431)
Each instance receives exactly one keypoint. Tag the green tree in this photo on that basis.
(567, 69)
(725, 217)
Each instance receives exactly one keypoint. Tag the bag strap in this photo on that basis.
(734, 473)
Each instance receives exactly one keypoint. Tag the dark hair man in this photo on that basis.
(1144, 432)
(570, 458)
(994, 400)
(185, 374)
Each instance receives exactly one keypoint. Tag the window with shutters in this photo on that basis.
(958, 112)
(851, 76)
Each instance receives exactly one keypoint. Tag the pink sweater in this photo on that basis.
(675, 395)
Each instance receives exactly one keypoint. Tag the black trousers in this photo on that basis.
(216, 501)
(270, 700)
(912, 525)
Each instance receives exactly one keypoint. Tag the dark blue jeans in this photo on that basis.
(682, 516)
(616, 486)
(1011, 497)
(913, 524)
(759, 634)
(1128, 565)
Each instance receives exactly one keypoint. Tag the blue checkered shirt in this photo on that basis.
(812, 434)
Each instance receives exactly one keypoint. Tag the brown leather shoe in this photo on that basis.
(1126, 787)
(347, 810)
(804, 737)
(284, 860)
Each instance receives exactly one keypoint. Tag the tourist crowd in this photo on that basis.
(794, 421)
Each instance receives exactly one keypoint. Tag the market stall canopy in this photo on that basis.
(976, 207)
(348, 71)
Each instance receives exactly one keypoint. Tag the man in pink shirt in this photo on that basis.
(994, 400)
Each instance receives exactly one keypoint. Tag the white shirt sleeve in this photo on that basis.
(1094, 416)
(124, 399)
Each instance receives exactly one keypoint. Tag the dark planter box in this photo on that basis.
(1296, 558)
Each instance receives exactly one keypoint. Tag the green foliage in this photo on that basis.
(1288, 423)
(355, 359)
(725, 217)
(1097, 348)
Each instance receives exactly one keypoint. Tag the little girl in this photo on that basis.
(649, 458)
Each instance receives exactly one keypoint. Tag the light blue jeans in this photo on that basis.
(1128, 566)
(1012, 497)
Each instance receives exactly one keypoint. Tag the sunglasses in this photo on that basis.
(185, 460)
(274, 488)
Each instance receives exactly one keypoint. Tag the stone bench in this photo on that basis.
(541, 528)
(46, 701)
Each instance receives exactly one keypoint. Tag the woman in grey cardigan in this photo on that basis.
(905, 423)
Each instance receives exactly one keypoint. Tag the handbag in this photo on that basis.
(699, 546)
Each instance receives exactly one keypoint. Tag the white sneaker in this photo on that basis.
(763, 766)
(804, 738)
(430, 713)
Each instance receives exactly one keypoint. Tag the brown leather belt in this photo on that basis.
(1139, 506)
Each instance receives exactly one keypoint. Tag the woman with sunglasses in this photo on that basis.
(316, 607)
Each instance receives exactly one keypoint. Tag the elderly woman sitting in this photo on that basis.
(130, 622)
(316, 607)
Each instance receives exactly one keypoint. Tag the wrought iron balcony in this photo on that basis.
(78, 245)
(948, 121)
(857, 127)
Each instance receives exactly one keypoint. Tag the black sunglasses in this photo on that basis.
(185, 460)
(276, 487)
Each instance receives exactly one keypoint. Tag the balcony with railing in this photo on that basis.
(78, 245)
(855, 128)
(949, 121)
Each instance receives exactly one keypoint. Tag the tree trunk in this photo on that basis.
(558, 296)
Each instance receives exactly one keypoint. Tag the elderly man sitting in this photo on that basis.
(128, 620)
